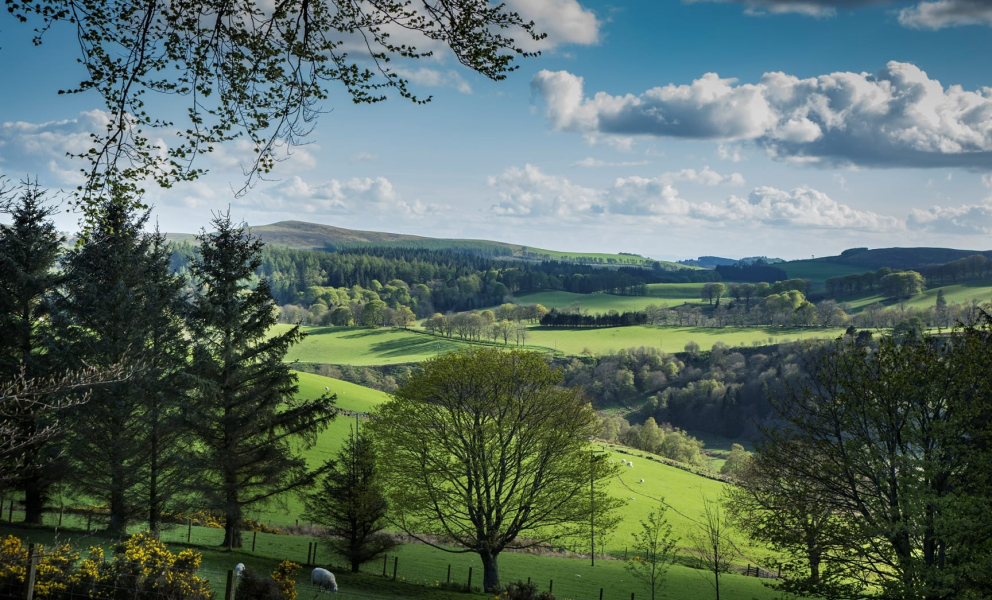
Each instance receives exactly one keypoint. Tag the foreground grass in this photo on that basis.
(422, 570)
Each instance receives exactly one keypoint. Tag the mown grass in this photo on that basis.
(602, 303)
(669, 339)
(361, 346)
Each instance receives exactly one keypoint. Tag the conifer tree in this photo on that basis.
(29, 247)
(351, 502)
(119, 305)
(244, 414)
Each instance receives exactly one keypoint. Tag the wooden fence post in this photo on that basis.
(551, 586)
(309, 549)
(32, 571)
(189, 530)
(231, 585)
(600, 593)
(384, 559)
(396, 562)
(470, 579)
(10, 513)
(449, 572)
(254, 535)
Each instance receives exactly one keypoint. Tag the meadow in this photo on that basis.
(682, 490)
(961, 293)
(361, 346)
(817, 271)
(669, 339)
(601, 303)
(421, 570)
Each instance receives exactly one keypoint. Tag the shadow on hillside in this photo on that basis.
(411, 345)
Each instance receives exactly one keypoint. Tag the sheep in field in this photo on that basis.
(239, 569)
(324, 579)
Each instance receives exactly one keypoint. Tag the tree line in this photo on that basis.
(205, 412)
(451, 280)
(892, 283)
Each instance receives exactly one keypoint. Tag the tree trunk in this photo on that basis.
(118, 510)
(490, 570)
(232, 533)
(34, 498)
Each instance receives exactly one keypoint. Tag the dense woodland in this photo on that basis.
(437, 280)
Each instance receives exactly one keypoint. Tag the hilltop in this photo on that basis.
(314, 236)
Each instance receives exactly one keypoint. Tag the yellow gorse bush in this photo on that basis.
(284, 576)
(142, 568)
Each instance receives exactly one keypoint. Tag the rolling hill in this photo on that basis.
(303, 235)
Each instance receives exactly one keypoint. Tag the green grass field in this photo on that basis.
(420, 569)
(817, 271)
(962, 293)
(361, 346)
(602, 303)
(676, 293)
(669, 339)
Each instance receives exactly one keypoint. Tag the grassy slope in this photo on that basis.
(360, 346)
(669, 339)
(817, 271)
(683, 490)
(574, 578)
(601, 303)
(962, 293)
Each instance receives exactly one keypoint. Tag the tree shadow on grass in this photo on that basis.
(414, 345)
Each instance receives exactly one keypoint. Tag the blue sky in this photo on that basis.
(672, 129)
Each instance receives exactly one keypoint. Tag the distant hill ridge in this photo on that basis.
(900, 258)
(303, 235)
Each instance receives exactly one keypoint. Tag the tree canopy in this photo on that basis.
(485, 449)
(250, 70)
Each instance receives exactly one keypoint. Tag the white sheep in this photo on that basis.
(630, 464)
(324, 579)
(239, 569)
(642, 481)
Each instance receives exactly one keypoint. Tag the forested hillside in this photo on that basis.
(427, 280)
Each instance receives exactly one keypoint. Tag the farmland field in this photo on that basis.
(601, 303)
(817, 271)
(961, 293)
(682, 490)
(362, 346)
(669, 339)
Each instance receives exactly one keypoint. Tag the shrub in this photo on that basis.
(520, 590)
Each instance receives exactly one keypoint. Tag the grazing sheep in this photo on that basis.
(630, 464)
(631, 497)
(239, 569)
(642, 481)
(324, 579)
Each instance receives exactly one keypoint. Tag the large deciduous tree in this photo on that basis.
(245, 417)
(890, 444)
(29, 248)
(484, 449)
(252, 70)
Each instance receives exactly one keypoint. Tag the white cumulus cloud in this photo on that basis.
(947, 13)
(359, 195)
(564, 22)
(965, 219)
(898, 117)
(528, 191)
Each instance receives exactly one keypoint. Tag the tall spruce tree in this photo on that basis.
(245, 418)
(164, 385)
(29, 247)
(118, 305)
